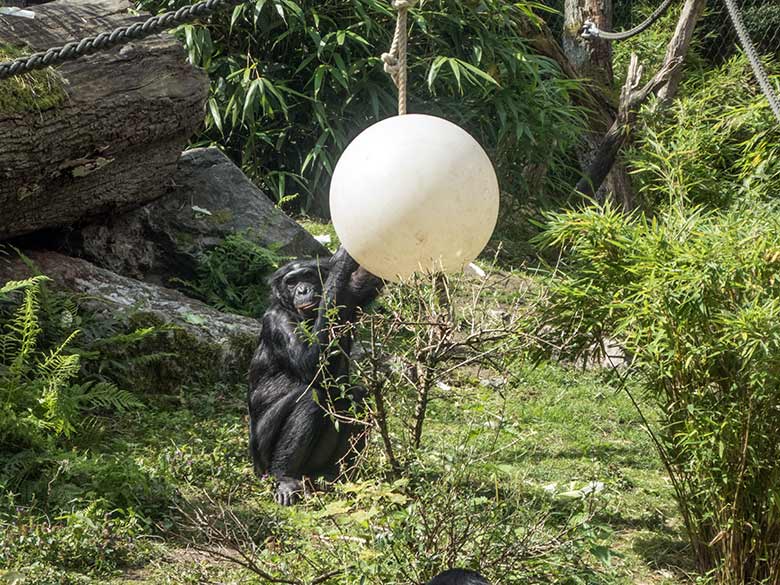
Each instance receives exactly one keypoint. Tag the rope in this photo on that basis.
(589, 30)
(395, 58)
(106, 40)
(752, 55)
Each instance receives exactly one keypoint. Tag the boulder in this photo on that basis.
(211, 199)
(207, 345)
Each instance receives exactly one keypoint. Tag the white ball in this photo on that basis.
(414, 193)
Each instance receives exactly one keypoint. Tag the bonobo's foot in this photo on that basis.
(288, 491)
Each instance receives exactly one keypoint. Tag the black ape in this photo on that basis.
(291, 384)
(458, 577)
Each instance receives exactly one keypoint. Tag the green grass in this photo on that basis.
(553, 430)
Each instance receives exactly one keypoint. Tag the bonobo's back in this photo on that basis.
(458, 577)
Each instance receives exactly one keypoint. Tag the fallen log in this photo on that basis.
(107, 135)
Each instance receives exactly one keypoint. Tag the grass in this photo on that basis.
(560, 429)
(31, 92)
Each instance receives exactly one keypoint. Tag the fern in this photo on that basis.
(13, 285)
(24, 330)
(40, 398)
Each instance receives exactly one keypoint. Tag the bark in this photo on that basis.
(664, 84)
(592, 60)
(113, 143)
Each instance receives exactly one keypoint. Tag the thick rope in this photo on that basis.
(395, 58)
(589, 30)
(107, 40)
(752, 55)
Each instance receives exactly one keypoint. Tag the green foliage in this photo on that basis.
(232, 276)
(695, 297)
(92, 539)
(39, 398)
(293, 81)
(717, 144)
(30, 92)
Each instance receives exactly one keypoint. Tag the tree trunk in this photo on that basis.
(593, 60)
(664, 84)
(112, 143)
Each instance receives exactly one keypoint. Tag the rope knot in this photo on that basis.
(392, 67)
(395, 59)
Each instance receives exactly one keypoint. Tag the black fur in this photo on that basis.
(290, 433)
(458, 577)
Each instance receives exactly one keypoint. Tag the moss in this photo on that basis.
(221, 216)
(30, 92)
(228, 362)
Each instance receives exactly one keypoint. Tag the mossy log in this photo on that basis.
(105, 131)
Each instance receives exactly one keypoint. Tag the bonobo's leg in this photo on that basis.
(294, 446)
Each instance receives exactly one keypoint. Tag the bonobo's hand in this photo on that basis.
(288, 491)
(342, 265)
(342, 262)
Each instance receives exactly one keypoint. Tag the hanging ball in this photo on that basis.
(414, 193)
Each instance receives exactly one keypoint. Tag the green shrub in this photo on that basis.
(718, 142)
(293, 81)
(232, 276)
(91, 539)
(695, 297)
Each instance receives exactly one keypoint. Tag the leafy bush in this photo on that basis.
(91, 539)
(695, 297)
(232, 276)
(718, 142)
(293, 81)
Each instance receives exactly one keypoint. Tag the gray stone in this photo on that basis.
(211, 199)
(208, 345)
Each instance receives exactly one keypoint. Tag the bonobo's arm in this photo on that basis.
(282, 349)
(347, 286)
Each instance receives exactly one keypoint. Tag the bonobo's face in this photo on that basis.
(301, 287)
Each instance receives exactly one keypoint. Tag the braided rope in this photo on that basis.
(752, 55)
(395, 58)
(107, 40)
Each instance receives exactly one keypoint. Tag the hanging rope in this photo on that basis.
(589, 30)
(395, 58)
(752, 55)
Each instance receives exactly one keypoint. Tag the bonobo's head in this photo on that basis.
(297, 286)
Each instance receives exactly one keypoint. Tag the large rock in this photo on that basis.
(208, 345)
(102, 133)
(211, 199)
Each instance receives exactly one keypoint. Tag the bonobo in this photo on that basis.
(298, 375)
(458, 577)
